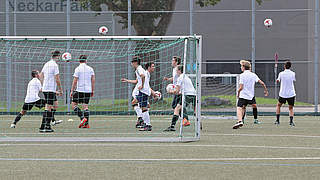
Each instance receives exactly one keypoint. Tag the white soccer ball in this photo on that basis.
(170, 87)
(66, 56)
(158, 94)
(267, 22)
(103, 30)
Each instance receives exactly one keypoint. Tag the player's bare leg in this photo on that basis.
(239, 115)
(278, 108)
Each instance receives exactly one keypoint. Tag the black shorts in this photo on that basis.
(142, 99)
(188, 100)
(50, 97)
(81, 97)
(39, 104)
(289, 100)
(175, 101)
(244, 102)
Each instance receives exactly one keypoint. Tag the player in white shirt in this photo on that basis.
(184, 84)
(150, 68)
(287, 92)
(176, 60)
(134, 101)
(50, 80)
(143, 79)
(245, 92)
(82, 89)
(32, 97)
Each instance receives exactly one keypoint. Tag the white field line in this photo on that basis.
(165, 145)
(159, 160)
(264, 135)
(139, 133)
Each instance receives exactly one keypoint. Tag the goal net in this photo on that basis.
(112, 117)
(219, 94)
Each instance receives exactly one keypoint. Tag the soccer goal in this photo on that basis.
(219, 94)
(112, 117)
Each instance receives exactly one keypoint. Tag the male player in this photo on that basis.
(287, 92)
(144, 91)
(82, 89)
(254, 107)
(51, 80)
(150, 67)
(176, 61)
(184, 85)
(246, 92)
(32, 97)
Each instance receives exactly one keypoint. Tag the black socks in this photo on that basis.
(174, 120)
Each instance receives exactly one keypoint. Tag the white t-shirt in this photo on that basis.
(34, 86)
(186, 85)
(84, 73)
(49, 70)
(248, 79)
(175, 76)
(135, 91)
(146, 87)
(286, 79)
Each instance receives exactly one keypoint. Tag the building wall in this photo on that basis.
(226, 35)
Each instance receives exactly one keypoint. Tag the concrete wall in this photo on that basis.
(226, 35)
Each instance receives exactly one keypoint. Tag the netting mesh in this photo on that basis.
(110, 59)
(219, 93)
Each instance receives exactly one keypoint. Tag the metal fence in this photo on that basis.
(231, 31)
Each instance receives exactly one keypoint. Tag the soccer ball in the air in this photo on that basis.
(158, 95)
(170, 87)
(267, 23)
(66, 56)
(103, 30)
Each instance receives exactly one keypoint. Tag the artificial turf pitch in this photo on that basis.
(264, 151)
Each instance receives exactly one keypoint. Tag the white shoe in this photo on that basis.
(12, 126)
(56, 122)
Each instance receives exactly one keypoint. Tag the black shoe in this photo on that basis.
(277, 122)
(170, 128)
(292, 123)
(139, 123)
(237, 125)
(46, 130)
(146, 128)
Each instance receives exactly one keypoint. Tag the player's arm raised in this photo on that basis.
(168, 79)
(129, 81)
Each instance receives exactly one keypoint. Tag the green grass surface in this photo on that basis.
(264, 151)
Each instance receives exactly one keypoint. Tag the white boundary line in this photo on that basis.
(167, 160)
(140, 133)
(265, 135)
(167, 145)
